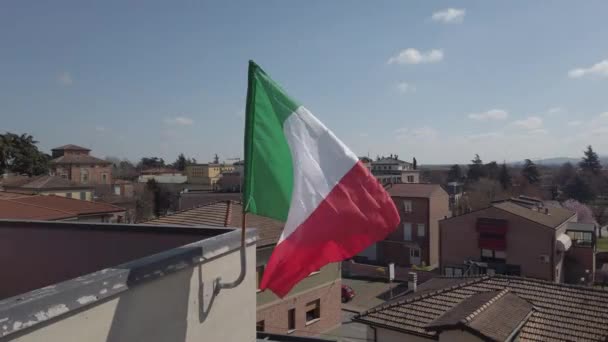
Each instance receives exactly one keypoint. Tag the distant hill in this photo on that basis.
(555, 161)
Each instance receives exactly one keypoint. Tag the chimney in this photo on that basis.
(228, 213)
(412, 280)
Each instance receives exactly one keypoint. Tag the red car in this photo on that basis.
(347, 293)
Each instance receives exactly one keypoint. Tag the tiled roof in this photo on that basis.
(51, 208)
(481, 311)
(43, 182)
(553, 219)
(414, 190)
(71, 147)
(561, 312)
(79, 159)
(8, 195)
(225, 214)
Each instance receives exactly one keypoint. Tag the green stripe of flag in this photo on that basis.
(268, 163)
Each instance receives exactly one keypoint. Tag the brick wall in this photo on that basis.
(399, 252)
(526, 242)
(275, 316)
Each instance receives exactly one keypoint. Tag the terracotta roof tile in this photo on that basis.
(70, 147)
(43, 182)
(554, 217)
(51, 208)
(79, 159)
(414, 190)
(215, 214)
(561, 312)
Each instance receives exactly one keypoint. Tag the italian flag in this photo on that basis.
(299, 172)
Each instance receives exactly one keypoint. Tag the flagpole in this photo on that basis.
(243, 224)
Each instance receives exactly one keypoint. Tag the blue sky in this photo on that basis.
(437, 80)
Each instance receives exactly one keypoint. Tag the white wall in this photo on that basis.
(175, 307)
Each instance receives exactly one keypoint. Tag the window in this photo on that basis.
(260, 273)
(410, 179)
(313, 311)
(291, 320)
(421, 230)
(407, 231)
(83, 195)
(492, 255)
(117, 190)
(448, 271)
(457, 272)
(259, 326)
(104, 178)
(68, 195)
(84, 176)
(407, 206)
(414, 252)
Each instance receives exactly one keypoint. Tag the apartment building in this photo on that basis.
(207, 174)
(416, 240)
(519, 236)
(77, 165)
(312, 307)
(392, 170)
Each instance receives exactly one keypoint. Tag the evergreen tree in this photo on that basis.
(530, 172)
(19, 154)
(476, 169)
(504, 177)
(591, 162)
(415, 164)
(579, 190)
(492, 170)
(181, 162)
(455, 173)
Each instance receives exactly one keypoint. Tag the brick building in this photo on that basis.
(312, 307)
(516, 238)
(74, 163)
(416, 240)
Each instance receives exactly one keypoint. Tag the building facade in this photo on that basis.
(391, 170)
(416, 240)
(510, 238)
(77, 165)
(207, 174)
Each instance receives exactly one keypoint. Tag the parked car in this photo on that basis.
(347, 293)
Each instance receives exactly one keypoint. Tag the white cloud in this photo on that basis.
(555, 110)
(598, 69)
(413, 56)
(485, 136)
(574, 123)
(492, 114)
(65, 79)
(604, 115)
(449, 15)
(100, 128)
(531, 123)
(423, 132)
(538, 131)
(179, 121)
(404, 87)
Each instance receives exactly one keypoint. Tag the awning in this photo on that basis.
(563, 242)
